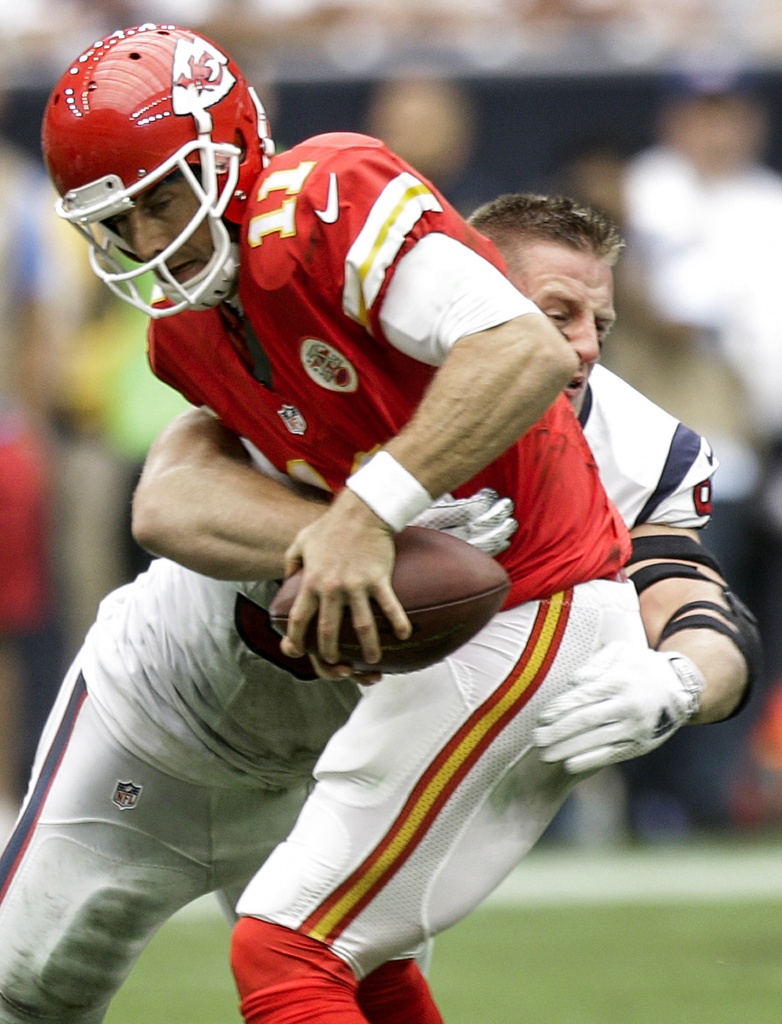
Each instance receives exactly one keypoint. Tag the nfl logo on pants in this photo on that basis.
(126, 795)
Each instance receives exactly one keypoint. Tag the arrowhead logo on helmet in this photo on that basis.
(200, 74)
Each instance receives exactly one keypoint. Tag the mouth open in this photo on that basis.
(185, 272)
(575, 387)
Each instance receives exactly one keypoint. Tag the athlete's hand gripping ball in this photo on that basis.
(624, 702)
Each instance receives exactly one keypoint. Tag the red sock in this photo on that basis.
(284, 977)
(397, 993)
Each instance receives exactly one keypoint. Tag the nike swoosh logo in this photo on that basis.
(330, 214)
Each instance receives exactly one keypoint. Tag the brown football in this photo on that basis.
(448, 588)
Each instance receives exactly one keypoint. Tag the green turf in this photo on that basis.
(686, 964)
(181, 978)
(624, 964)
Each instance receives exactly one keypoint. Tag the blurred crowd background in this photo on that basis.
(666, 114)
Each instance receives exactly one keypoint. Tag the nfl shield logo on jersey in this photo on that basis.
(292, 419)
(126, 795)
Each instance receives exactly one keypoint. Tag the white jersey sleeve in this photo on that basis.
(654, 468)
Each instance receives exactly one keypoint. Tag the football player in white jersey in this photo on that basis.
(658, 473)
(170, 754)
(177, 756)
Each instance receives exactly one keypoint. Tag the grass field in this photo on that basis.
(682, 935)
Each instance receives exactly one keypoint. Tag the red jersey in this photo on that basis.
(311, 378)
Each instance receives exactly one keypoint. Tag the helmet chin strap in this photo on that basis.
(268, 148)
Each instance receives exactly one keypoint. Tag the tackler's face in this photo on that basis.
(575, 290)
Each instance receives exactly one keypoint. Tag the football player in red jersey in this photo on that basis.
(178, 628)
(329, 305)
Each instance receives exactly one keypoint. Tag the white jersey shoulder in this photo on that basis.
(655, 469)
(186, 673)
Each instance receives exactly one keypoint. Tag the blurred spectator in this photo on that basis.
(431, 123)
(109, 408)
(673, 359)
(30, 643)
(704, 217)
(78, 409)
(26, 601)
(351, 35)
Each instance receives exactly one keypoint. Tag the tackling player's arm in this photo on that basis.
(687, 607)
(705, 650)
(202, 503)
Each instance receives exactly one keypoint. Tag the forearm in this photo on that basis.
(722, 667)
(670, 601)
(221, 537)
(628, 699)
(492, 387)
(201, 503)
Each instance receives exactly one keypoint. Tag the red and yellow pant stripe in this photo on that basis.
(444, 775)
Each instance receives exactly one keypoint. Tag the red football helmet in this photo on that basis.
(132, 109)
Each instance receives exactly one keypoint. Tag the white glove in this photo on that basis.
(484, 520)
(625, 701)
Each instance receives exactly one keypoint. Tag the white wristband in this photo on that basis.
(393, 494)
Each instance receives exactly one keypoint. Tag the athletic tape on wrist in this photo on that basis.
(391, 492)
(690, 677)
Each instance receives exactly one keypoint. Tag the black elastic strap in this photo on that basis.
(650, 574)
(671, 545)
(736, 622)
(712, 606)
